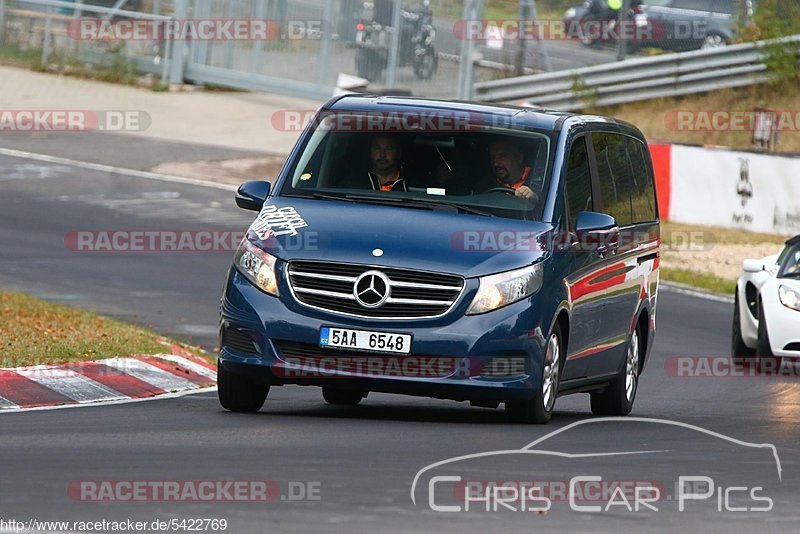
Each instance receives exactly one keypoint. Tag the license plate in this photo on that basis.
(364, 340)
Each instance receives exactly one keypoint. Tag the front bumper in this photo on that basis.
(783, 328)
(285, 335)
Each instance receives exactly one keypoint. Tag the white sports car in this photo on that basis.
(766, 317)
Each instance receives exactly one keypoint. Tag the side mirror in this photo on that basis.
(597, 231)
(251, 195)
(752, 266)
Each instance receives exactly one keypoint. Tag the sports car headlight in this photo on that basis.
(257, 266)
(502, 289)
(789, 297)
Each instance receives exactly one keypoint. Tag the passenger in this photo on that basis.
(385, 154)
(509, 169)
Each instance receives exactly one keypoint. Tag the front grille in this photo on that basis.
(792, 346)
(412, 294)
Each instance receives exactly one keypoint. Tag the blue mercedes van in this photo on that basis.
(454, 250)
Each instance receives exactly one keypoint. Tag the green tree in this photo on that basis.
(774, 19)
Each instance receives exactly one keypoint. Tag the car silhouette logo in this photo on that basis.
(371, 289)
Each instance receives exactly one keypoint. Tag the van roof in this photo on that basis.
(538, 118)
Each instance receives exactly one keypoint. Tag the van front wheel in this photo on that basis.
(237, 393)
(540, 408)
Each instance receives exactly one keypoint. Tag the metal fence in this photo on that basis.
(315, 42)
(308, 46)
(637, 79)
(50, 28)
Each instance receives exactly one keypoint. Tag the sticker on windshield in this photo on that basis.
(274, 221)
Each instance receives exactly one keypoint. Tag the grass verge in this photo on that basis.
(119, 69)
(675, 234)
(708, 257)
(656, 118)
(707, 282)
(34, 332)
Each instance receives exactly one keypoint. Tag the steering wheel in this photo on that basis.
(506, 190)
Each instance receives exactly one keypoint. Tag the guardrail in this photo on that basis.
(637, 79)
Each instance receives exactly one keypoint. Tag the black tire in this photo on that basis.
(238, 394)
(618, 397)
(368, 65)
(586, 38)
(425, 66)
(632, 47)
(539, 409)
(362, 68)
(341, 397)
(739, 350)
(763, 348)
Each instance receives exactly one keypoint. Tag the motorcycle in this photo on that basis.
(596, 14)
(374, 38)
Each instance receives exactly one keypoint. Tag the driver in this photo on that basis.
(509, 169)
(384, 174)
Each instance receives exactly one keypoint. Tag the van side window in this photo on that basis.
(615, 175)
(643, 203)
(579, 183)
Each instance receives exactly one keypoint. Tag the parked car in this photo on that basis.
(672, 24)
(693, 24)
(766, 315)
(525, 298)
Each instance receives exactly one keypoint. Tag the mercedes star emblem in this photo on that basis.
(371, 289)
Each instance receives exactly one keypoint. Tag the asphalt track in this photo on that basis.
(362, 459)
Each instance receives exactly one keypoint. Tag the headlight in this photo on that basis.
(257, 266)
(502, 289)
(570, 13)
(789, 297)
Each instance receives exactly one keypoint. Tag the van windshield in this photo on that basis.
(460, 166)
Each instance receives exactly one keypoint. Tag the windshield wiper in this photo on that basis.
(328, 196)
(421, 203)
(408, 202)
(462, 207)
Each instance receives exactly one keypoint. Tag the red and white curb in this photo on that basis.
(110, 381)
